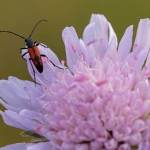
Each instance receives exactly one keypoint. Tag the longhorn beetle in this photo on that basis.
(33, 51)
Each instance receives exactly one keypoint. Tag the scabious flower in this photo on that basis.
(100, 101)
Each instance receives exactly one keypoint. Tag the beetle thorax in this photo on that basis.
(29, 43)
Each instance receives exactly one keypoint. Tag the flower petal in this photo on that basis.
(18, 146)
(142, 37)
(22, 94)
(112, 35)
(125, 43)
(96, 35)
(75, 50)
(28, 146)
(13, 119)
(17, 96)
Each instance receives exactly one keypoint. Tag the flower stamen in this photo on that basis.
(91, 42)
(74, 48)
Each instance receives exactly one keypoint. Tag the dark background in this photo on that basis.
(20, 16)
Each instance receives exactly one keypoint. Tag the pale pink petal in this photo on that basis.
(41, 146)
(141, 59)
(13, 119)
(112, 35)
(96, 35)
(28, 146)
(142, 37)
(112, 50)
(84, 55)
(72, 46)
(25, 97)
(18, 146)
(125, 43)
(17, 96)
(90, 40)
(101, 33)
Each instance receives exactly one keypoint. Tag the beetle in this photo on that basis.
(33, 50)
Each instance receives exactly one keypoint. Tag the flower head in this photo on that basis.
(101, 100)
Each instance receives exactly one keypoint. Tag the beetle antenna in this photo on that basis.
(36, 26)
(13, 33)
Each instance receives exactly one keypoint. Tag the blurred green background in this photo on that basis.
(20, 16)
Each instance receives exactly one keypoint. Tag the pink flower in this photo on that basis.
(100, 102)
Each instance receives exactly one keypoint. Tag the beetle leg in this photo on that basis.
(24, 52)
(33, 71)
(35, 43)
(43, 45)
(42, 55)
(22, 49)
